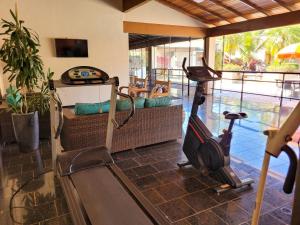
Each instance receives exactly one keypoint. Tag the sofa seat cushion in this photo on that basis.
(103, 107)
(91, 108)
(157, 102)
(124, 104)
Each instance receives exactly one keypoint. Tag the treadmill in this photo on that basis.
(96, 190)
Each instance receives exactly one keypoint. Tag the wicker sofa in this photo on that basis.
(148, 126)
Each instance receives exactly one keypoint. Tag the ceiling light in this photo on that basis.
(198, 1)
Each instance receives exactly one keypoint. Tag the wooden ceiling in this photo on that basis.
(223, 17)
(214, 13)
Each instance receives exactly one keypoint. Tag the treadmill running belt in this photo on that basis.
(114, 205)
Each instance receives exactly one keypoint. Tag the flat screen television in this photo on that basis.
(71, 47)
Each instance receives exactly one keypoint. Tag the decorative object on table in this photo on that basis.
(20, 54)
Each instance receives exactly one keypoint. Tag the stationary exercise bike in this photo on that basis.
(209, 154)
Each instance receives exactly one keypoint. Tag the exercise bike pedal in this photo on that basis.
(183, 164)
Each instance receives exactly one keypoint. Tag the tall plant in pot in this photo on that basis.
(29, 93)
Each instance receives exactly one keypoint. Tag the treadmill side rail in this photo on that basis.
(103, 195)
(76, 209)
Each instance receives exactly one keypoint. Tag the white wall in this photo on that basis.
(155, 12)
(95, 20)
(99, 21)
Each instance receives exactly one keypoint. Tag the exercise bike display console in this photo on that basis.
(209, 154)
(84, 75)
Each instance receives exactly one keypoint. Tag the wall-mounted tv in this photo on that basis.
(71, 47)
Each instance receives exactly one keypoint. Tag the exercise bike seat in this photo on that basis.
(234, 116)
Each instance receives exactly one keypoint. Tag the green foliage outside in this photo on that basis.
(232, 67)
(269, 41)
(20, 54)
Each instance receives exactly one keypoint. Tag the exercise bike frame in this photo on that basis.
(205, 152)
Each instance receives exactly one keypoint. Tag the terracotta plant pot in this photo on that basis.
(26, 128)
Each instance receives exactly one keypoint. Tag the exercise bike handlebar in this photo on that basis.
(218, 73)
(200, 73)
(183, 66)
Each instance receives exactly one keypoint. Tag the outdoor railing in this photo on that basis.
(284, 85)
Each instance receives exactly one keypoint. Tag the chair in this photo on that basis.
(138, 85)
(160, 88)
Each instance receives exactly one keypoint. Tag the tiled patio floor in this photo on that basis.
(182, 195)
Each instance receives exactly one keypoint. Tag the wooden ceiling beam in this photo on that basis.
(130, 4)
(284, 19)
(163, 29)
(177, 8)
(283, 4)
(207, 10)
(256, 7)
(230, 9)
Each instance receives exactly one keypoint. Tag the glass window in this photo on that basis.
(138, 62)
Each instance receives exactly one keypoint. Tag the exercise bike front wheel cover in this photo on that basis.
(212, 155)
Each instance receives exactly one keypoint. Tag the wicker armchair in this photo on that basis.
(160, 88)
(135, 89)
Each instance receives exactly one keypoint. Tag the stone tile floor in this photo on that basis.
(183, 195)
(43, 198)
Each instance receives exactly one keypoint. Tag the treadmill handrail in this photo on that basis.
(291, 174)
(130, 115)
(58, 102)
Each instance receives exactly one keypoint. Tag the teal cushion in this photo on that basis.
(139, 103)
(91, 108)
(124, 104)
(103, 107)
(157, 102)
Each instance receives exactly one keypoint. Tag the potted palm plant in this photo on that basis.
(29, 93)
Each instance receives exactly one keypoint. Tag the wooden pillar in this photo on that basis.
(209, 55)
(149, 61)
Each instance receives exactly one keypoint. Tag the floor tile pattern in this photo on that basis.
(182, 195)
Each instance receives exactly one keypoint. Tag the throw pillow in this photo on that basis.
(157, 102)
